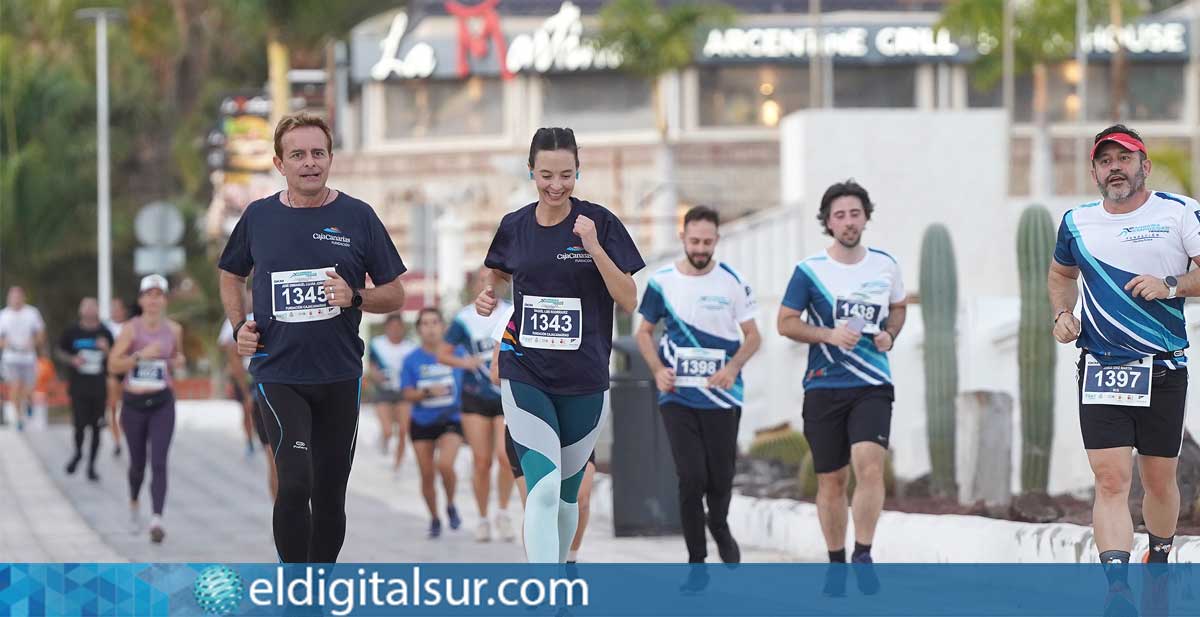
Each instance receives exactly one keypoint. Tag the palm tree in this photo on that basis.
(654, 42)
(1044, 33)
(307, 24)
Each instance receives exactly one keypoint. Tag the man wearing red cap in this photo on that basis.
(1133, 248)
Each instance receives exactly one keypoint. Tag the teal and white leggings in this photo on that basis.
(554, 435)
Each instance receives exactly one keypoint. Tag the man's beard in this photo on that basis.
(856, 239)
(699, 261)
(1132, 185)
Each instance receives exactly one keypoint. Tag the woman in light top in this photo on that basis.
(148, 349)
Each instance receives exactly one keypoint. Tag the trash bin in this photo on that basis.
(644, 484)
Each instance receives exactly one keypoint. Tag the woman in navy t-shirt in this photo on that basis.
(569, 260)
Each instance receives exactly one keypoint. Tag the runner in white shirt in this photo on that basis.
(709, 335)
(22, 336)
(386, 354)
(1131, 254)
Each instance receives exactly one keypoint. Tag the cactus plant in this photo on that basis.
(939, 310)
(788, 447)
(1035, 348)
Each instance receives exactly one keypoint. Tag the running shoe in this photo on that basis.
(483, 533)
(835, 581)
(864, 574)
(135, 520)
(435, 528)
(74, 464)
(452, 514)
(92, 476)
(504, 527)
(697, 580)
(157, 533)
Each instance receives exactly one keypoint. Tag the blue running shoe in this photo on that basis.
(452, 514)
(864, 574)
(435, 528)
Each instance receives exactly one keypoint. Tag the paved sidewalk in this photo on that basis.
(39, 524)
(218, 509)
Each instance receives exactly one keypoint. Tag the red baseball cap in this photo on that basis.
(1125, 140)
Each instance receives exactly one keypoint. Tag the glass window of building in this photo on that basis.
(1154, 92)
(875, 86)
(751, 95)
(423, 108)
(593, 101)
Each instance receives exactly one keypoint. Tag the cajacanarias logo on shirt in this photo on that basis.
(1143, 233)
(333, 235)
(575, 253)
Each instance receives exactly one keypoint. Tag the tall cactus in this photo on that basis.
(939, 311)
(1035, 348)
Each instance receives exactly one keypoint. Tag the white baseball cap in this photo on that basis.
(153, 281)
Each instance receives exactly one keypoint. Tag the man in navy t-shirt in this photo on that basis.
(310, 249)
(569, 261)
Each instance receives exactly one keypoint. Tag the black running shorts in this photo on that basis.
(486, 407)
(430, 432)
(836, 418)
(1156, 430)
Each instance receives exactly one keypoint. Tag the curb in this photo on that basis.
(792, 527)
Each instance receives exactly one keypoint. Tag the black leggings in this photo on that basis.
(313, 429)
(704, 445)
(87, 409)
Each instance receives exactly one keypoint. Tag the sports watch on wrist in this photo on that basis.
(1172, 286)
(357, 300)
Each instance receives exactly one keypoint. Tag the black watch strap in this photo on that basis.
(357, 300)
(236, 328)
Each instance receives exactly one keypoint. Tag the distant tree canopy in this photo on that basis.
(169, 64)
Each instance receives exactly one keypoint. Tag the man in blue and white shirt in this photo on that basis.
(707, 310)
(855, 302)
(1133, 248)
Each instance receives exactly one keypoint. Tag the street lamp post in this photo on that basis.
(103, 191)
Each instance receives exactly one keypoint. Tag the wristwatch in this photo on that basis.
(357, 300)
(1172, 286)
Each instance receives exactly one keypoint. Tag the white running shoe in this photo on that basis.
(157, 533)
(136, 524)
(504, 528)
(483, 533)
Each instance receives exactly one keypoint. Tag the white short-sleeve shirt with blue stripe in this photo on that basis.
(829, 291)
(1159, 239)
(704, 311)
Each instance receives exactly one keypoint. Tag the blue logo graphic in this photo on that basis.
(219, 590)
(332, 230)
(574, 249)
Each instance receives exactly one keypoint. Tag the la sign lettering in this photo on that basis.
(418, 63)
